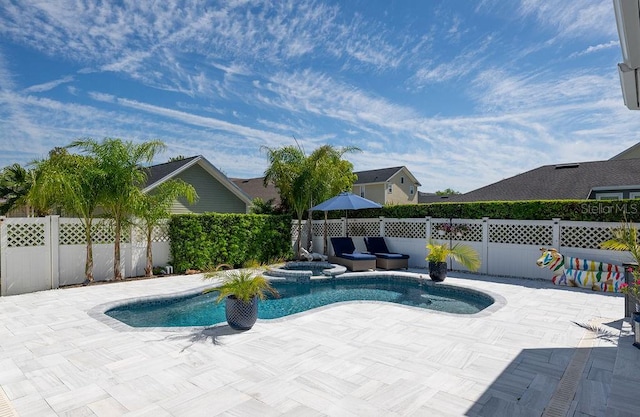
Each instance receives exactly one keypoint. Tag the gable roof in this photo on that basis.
(157, 174)
(255, 188)
(629, 153)
(563, 181)
(382, 175)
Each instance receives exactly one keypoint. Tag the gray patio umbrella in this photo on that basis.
(345, 201)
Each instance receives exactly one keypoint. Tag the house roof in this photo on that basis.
(255, 188)
(157, 174)
(424, 198)
(381, 175)
(629, 153)
(557, 182)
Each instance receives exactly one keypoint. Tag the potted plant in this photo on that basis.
(241, 290)
(439, 253)
(625, 238)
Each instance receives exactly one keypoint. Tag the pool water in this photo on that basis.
(202, 309)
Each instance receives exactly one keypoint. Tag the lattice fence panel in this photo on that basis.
(521, 234)
(334, 229)
(160, 233)
(25, 235)
(457, 231)
(358, 228)
(410, 230)
(71, 234)
(102, 233)
(318, 229)
(589, 237)
(295, 232)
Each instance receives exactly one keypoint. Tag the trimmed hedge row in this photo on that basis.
(202, 241)
(576, 210)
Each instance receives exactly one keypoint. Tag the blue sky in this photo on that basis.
(464, 93)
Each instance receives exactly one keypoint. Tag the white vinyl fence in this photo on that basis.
(48, 252)
(506, 247)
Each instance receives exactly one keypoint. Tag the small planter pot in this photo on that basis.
(437, 271)
(241, 315)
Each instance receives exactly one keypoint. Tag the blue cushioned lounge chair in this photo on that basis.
(385, 259)
(344, 253)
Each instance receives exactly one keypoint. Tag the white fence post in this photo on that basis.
(382, 228)
(484, 255)
(556, 233)
(54, 242)
(427, 228)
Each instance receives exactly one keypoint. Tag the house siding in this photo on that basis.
(213, 196)
(401, 190)
(373, 192)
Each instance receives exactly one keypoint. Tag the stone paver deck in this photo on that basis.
(356, 359)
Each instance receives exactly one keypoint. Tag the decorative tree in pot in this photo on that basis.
(241, 290)
(625, 238)
(439, 253)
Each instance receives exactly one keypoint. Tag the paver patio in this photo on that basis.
(355, 359)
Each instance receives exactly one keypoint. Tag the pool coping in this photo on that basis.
(98, 312)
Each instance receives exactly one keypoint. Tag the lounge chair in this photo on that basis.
(345, 254)
(385, 259)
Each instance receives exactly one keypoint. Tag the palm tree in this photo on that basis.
(153, 207)
(120, 161)
(287, 172)
(74, 184)
(15, 183)
(301, 179)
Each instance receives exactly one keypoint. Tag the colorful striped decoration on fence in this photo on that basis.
(584, 273)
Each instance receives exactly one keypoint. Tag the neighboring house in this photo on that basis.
(395, 185)
(254, 187)
(611, 180)
(629, 153)
(216, 193)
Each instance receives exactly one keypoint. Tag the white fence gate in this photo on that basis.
(47, 252)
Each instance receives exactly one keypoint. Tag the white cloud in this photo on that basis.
(39, 88)
(596, 48)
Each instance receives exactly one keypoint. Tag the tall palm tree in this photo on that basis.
(73, 183)
(121, 162)
(154, 207)
(302, 179)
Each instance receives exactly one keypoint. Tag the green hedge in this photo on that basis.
(202, 241)
(577, 210)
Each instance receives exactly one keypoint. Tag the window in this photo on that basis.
(389, 188)
(609, 196)
(634, 195)
(362, 191)
(401, 180)
(411, 190)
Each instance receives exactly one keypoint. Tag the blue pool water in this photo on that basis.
(202, 309)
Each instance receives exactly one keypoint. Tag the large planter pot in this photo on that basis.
(437, 271)
(241, 315)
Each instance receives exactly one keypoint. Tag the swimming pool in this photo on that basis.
(202, 310)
